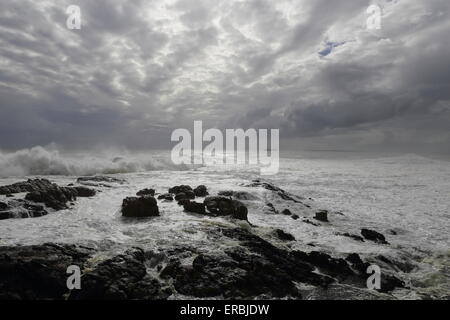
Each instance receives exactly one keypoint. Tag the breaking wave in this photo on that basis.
(48, 161)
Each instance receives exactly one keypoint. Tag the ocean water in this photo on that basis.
(405, 197)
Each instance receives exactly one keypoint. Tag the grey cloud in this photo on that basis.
(139, 69)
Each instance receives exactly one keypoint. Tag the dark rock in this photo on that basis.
(43, 191)
(123, 277)
(373, 236)
(194, 207)
(389, 283)
(9, 195)
(38, 272)
(140, 207)
(53, 197)
(166, 196)
(3, 206)
(183, 201)
(146, 192)
(286, 212)
(268, 186)
(295, 217)
(322, 215)
(255, 269)
(22, 209)
(271, 208)
(357, 263)
(403, 266)
(353, 236)
(222, 206)
(6, 215)
(100, 181)
(30, 185)
(180, 189)
(239, 195)
(201, 191)
(332, 266)
(284, 235)
(85, 192)
(180, 196)
(310, 222)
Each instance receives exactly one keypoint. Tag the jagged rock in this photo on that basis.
(284, 235)
(185, 195)
(194, 207)
(85, 192)
(22, 209)
(100, 179)
(38, 272)
(43, 191)
(201, 191)
(53, 197)
(295, 217)
(239, 195)
(268, 186)
(271, 208)
(222, 206)
(353, 236)
(180, 189)
(123, 277)
(166, 196)
(30, 185)
(335, 267)
(322, 215)
(146, 192)
(286, 212)
(389, 283)
(373, 236)
(310, 222)
(259, 268)
(357, 263)
(140, 207)
(396, 265)
(183, 201)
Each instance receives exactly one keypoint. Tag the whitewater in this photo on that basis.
(405, 197)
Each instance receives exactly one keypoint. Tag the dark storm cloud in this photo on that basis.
(138, 69)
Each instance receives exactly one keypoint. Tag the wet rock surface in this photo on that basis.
(123, 277)
(146, 192)
(201, 191)
(374, 236)
(166, 196)
(146, 206)
(222, 206)
(100, 181)
(282, 235)
(253, 268)
(256, 264)
(31, 185)
(54, 197)
(38, 272)
(322, 215)
(181, 189)
(281, 193)
(194, 207)
(39, 191)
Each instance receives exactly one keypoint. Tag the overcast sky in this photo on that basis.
(139, 69)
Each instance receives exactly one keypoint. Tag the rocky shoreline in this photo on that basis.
(253, 268)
